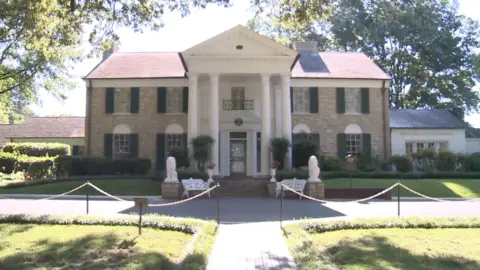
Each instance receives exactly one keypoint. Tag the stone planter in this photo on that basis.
(272, 173)
(172, 190)
(315, 190)
(272, 189)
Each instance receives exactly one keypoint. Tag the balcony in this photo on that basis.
(237, 105)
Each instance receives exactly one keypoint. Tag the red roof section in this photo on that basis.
(124, 65)
(49, 127)
(338, 65)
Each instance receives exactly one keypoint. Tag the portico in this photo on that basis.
(252, 67)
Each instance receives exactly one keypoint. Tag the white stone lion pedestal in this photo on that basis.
(171, 187)
(315, 187)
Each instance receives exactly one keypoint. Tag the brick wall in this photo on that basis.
(147, 123)
(328, 123)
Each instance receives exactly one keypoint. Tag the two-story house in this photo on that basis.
(242, 89)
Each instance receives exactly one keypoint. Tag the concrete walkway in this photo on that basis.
(250, 246)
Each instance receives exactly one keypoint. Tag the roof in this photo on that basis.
(471, 132)
(49, 127)
(130, 65)
(424, 119)
(5, 131)
(338, 65)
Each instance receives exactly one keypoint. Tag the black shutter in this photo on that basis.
(313, 99)
(341, 146)
(133, 145)
(134, 99)
(340, 100)
(315, 137)
(259, 152)
(75, 150)
(108, 145)
(365, 100)
(367, 144)
(110, 100)
(291, 99)
(160, 164)
(162, 100)
(185, 140)
(185, 99)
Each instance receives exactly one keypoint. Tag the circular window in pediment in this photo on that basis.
(238, 122)
(239, 47)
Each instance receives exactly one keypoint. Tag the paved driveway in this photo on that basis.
(241, 210)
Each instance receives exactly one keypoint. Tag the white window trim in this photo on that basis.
(425, 142)
(304, 89)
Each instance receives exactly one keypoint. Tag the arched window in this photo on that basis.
(353, 139)
(301, 128)
(121, 141)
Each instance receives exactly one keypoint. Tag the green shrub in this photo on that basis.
(475, 162)
(201, 149)
(424, 160)
(402, 163)
(279, 147)
(332, 163)
(24, 162)
(83, 165)
(181, 156)
(186, 173)
(446, 161)
(12, 176)
(39, 169)
(7, 162)
(367, 163)
(464, 162)
(302, 149)
(38, 149)
(290, 174)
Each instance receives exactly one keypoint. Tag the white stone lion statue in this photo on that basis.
(171, 173)
(313, 170)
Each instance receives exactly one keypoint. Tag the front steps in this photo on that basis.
(246, 186)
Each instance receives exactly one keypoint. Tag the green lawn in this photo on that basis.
(430, 187)
(390, 249)
(119, 187)
(32, 246)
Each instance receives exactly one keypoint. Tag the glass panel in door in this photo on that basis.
(237, 156)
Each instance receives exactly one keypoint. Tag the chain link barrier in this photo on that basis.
(436, 199)
(186, 200)
(66, 193)
(355, 201)
(105, 193)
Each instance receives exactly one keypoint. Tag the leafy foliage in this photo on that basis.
(402, 163)
(37, 149)
(279, 148)
(181, 156)
(201, 150)
(425, 46)
(83, 165)
(302, 149)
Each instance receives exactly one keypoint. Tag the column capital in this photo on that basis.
(214, 76)
(192, 76)
(285, 77)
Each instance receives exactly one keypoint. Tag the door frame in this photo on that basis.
(244, 141)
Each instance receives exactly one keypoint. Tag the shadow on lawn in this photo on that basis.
(107, 251)
(375, 252)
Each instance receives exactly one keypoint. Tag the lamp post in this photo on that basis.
(350, 166)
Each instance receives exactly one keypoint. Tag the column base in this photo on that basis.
(172, 190)
(315, 190)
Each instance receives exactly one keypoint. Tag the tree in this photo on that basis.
(39, 40)
(425, 47)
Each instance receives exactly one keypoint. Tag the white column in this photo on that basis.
(266, 123)
(214, 118)
(287, 115)
(278, 111)
(192, 106)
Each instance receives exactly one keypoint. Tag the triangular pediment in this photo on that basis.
(239, 41)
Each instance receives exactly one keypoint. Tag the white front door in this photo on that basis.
(238, 156)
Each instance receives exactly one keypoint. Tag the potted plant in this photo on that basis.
(273, 170)
(210, 168)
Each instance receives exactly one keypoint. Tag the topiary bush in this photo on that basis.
(7, 162)
(23, 162)
(186, 173)
(446, 161)
(302, 149)
(290, 174)
(402, 163)
(38, 149)
(463, 162)
(279, 147)
(39, 169)
(181, 156)
(332, 163)
(201, 150)
(475, 162)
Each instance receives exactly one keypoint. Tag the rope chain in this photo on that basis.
(66, 193)
(186, 200)
(435, 199)
(105, 193)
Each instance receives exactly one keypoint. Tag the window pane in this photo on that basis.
(353, 144)
(352, 100)
(420, 146)
(121, 145)
(408, 148)
(174, 100)
(431, 145)
(444, 145)
(122, 100)
(301, 100)
(238, 98)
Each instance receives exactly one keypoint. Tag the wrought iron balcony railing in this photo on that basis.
(237, 105)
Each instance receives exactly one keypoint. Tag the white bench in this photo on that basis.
(194, 185)
(296, 184)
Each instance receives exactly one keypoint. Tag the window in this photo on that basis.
(238, 98)
(301, 100)
(121, 145)
(78, 150)
(122, 100)
(353, 144)
(174, 100)
(416, 147)
(174, 141)
(352, 100)
(408, 148)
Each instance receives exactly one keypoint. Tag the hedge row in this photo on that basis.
(38, 149)
(384, 223)
(429, 160)
(83, 165)
(33, 167)
(303, 174)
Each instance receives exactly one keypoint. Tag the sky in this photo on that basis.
(178, 35)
